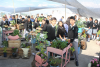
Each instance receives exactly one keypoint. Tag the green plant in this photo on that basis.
(84, 35)
(13, 22)
(16, 32)
(72, 49)
(42, 50)
(94, 62)
(55, 61)
(14, 49)
(59, 44)
(5, 43)
(4, 50)
(24, 46)
(80, 23)
(98, 32)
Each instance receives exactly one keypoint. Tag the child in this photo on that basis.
(73, 37)
(95, 25)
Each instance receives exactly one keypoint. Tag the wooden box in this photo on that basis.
(14, 43)
(20, 27)
(9, 51)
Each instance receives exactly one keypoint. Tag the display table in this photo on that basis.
(60, 52)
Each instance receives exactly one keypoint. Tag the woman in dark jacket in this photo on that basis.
(44, 25)
(95, 26)
(36, 23)
(61, 31)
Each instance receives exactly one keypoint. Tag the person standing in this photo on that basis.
(98, 30)
(61, 31)
(62, 18)
(16, 19)
(90, 26)
(36, 23)
(95, 26)
(51, 30)
(73, 38)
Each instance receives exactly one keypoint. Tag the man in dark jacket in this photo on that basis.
(51, 30)
(73, 37)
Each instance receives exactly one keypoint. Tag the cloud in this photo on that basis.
(91, 4)
(34, 1)
(30, 4)
(21, 0)
(42, 5)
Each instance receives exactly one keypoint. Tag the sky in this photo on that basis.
(45, 3)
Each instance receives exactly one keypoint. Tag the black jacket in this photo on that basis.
(35, 25)
(90, 24)
(96, 25)
(99, 26)
(51, 32)
(6, 23)
(73, 33)
(28, 25)
(61, 31)
(17, 20)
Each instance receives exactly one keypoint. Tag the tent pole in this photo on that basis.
(13, 7)
(65, 11)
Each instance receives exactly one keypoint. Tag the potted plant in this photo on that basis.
(4, 52)
(41, 53)
(5, 43)
(14, 52)
(55, 62)
(94, 63)
(25, 49)
(16, 35)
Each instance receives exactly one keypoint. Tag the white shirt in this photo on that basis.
(72, 26)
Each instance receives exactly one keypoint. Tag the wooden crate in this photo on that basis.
(21, 52)
(20, 27)
(9, 51)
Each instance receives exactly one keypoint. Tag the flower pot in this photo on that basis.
(14, 54)
(25, 52)
(5, 54)
(54, 66)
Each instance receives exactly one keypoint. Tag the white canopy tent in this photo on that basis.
(80, 9)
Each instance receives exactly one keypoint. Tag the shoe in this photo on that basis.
(71, 58)
(77, 64)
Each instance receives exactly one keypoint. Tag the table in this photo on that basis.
(60, 52)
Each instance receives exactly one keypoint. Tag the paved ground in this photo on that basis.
(84, 58)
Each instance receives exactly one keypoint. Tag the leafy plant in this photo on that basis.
(4, 50)
(98, 32)
(5, 43)
(80, 23)
(14, 49)
(13, 22)
(16, 32)
(59, 44)
(41, 53)
(55, 61)
(95, 62)
(72, 49)
(24, 46)
(84, 35)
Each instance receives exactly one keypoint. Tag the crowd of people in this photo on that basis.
(56, 29)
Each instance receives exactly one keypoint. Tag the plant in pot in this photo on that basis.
(14, 52)
(4, 52)
(16, 32)
(55, 62)
(94, 63)
(25, 49)
(41, 53)
(13, 23)
(5, 43)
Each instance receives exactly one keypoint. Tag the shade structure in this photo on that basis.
(80, 9)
